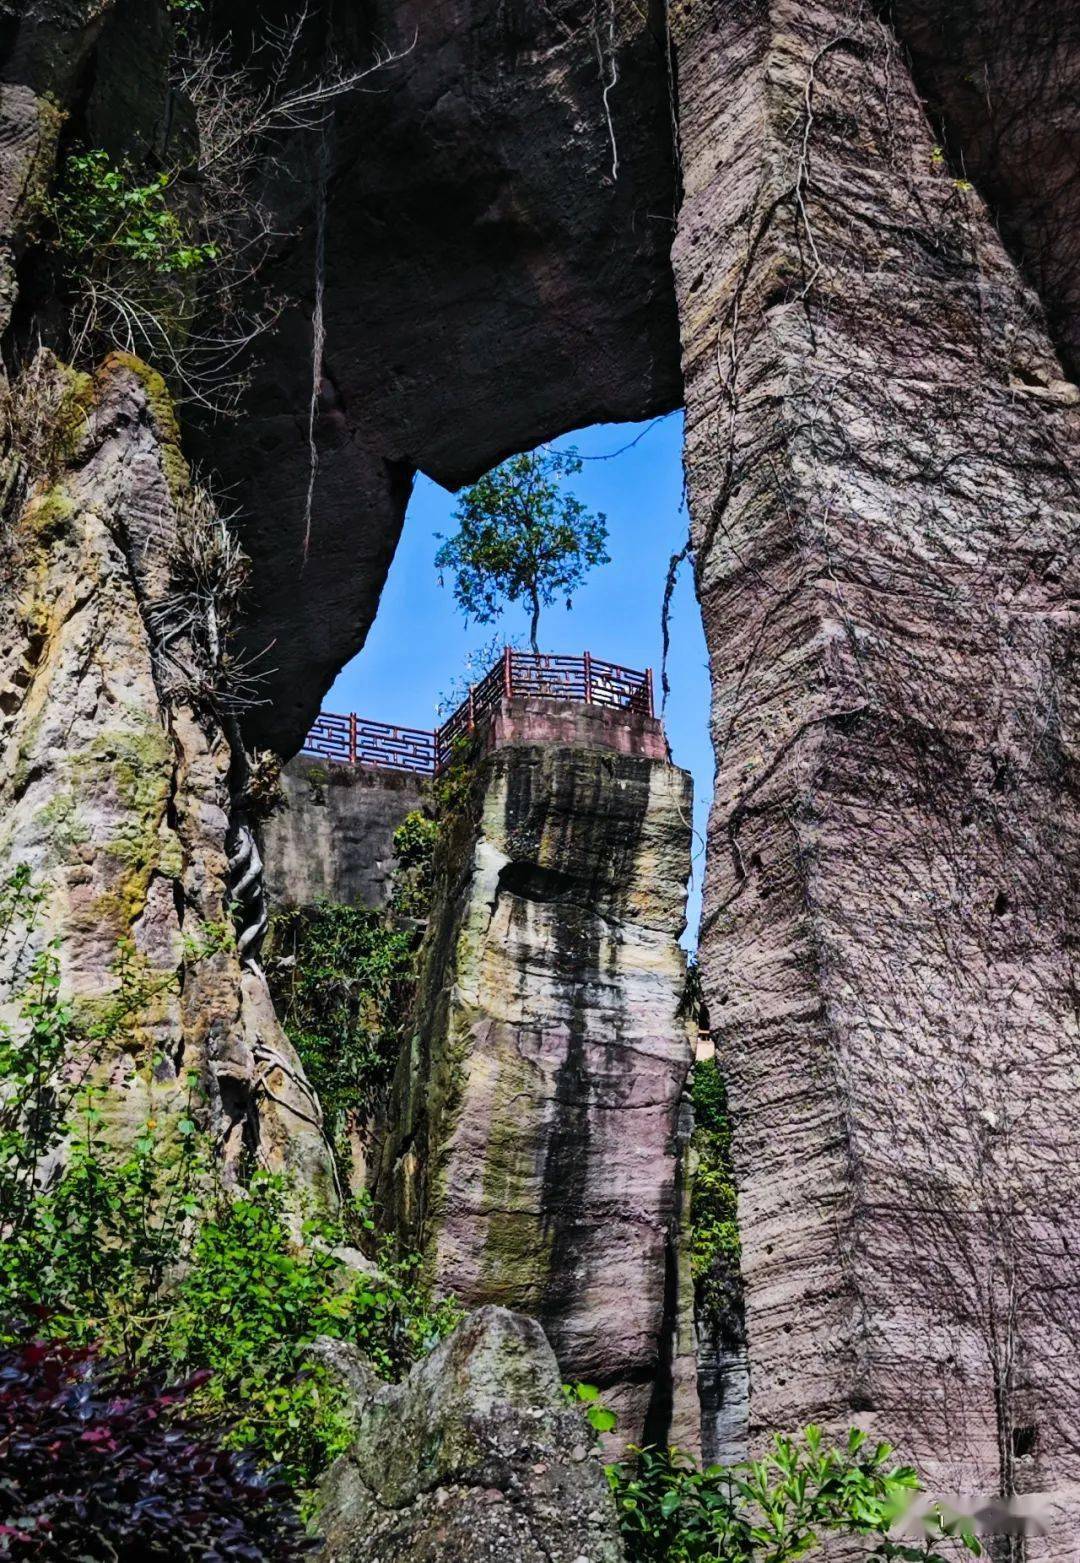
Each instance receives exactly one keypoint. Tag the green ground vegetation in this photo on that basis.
(131, 1242)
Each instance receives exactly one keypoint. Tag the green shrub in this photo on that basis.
(715, 1247)
(105, 217)
(129, 1242)
(415, 841)
(771, 1510)
(253, 1300)
(342, 980)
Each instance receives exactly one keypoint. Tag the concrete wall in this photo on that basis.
(335, 840)
(528, 719)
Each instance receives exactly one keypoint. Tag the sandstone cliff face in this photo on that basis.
(881, 457)
(334, 838)
(117, 798)
(881, 453)
(1001, 82)
(532, 1148)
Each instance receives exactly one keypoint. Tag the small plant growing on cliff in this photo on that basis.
(415, 841)
(129, 253)
(119, 1237)
(715, 1246)
(522, 538)
(105, 217)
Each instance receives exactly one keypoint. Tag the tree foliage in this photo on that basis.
(715, 1246)
(522, 538)
(127, 1242)
(342, 979)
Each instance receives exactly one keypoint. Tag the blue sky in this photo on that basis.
(419, 645)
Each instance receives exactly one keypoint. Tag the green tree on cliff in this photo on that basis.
(522, 537)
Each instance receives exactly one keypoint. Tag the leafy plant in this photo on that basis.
(414, 877)
(98, 1465)
(522, 538)
(599, 1417)
(342, 979)
(715, 1246)
(104, 217)
(771, 1510)
(128, 1242)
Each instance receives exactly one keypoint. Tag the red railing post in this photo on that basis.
(649, 692)
(352, 737)
(588, 679)
(508, 673)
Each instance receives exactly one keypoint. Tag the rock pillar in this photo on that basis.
(115, 785)
(881, 457)
(533, 1152)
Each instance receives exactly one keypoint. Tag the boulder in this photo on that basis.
(475, 1456)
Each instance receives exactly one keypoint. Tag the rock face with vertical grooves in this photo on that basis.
(1001, 82)
(533, 1143)
(117, 798)
(334, 839)
(881, 462)
(881, 455)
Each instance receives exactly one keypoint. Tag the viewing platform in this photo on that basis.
(524, 698)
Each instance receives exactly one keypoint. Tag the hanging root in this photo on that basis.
(609, 76)
(318, 335)
(246, 880)
(665, 619)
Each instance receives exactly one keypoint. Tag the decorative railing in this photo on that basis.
(587, 680)
(353, 741)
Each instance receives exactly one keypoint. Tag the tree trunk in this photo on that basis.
(535, 625)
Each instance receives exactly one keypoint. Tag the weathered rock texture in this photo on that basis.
(881, 458)
(881, 454)
(474, 1457)
(334, 839)
(117, 798)
(1001, 82)
(488, 283)
(533, 1145)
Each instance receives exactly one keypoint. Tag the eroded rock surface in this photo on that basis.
(117, 798)
(881, 454)
(1002, 82)
(532, 1148)
(489, 282)
(475, 1456)
(334, 838)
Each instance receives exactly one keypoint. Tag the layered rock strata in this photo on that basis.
(1001, 82)
(533, 1143)
(334, 838)
(881, 455)
(116, 794)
